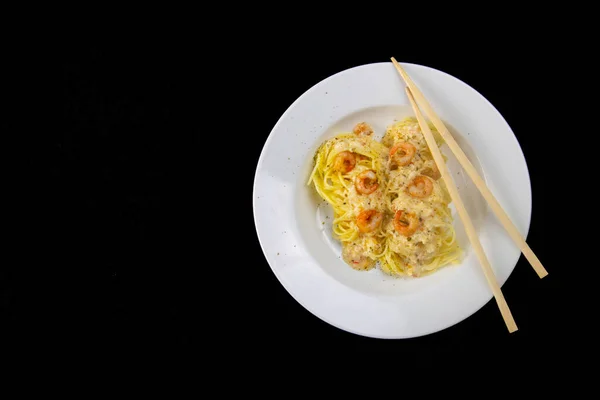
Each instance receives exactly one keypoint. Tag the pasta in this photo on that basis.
(390, 206)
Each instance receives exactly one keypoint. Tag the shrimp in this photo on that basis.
(420, 187)
(344, 162)
(369, 220)
(403, 152)
(405, 223)
(353, 255)
(366, 182)
(363, 128)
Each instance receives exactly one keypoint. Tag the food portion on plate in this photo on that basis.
(349, 174)
(420, 237)
(390, 206)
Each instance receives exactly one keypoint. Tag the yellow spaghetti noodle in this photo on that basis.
(360, 249)
(390, 206)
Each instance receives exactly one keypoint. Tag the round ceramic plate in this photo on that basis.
(294, 225)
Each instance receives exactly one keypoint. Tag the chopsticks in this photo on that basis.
(464, 216)
(479, 183)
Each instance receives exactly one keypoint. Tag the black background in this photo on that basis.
(145, 236)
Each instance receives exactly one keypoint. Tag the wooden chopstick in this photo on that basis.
(464, 216)
(466, 164)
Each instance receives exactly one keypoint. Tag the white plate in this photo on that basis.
(289, 215)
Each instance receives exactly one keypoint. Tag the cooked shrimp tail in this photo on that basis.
(420, 187)
(366, 182)
(402, 153)
(369, 220)
(344, 162)
(363, 129)
(405, 223)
